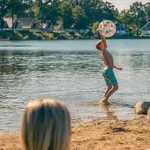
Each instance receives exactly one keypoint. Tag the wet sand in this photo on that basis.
(98, 135)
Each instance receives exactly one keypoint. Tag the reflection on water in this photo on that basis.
(114, 112)
(110, 113)
(71, 71)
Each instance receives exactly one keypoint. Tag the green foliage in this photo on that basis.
(80, 18)
(124, 18)
(147, 10)
(137, 16)
(47, 10)
(26, 37)
(77, 14)
(94, 27)
(3, 7)
(66, 14)
(14, 8)
(18, 8)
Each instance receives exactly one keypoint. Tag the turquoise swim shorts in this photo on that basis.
(109, 77)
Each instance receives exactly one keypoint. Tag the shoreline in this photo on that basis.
(97, 134)
(24, 35)
(75, 39)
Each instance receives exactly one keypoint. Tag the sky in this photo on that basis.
(125, 4)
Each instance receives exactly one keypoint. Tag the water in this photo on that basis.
(71, 71)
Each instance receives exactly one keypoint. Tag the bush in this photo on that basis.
(26, 37)
(48, 36)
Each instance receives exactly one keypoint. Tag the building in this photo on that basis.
(35, 26)
(8, 22)
(145, 30)
(58, 26)
(26, 23)
(19, 23)
(120, 30)
(48, 27)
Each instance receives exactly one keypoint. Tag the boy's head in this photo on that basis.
(100, 45)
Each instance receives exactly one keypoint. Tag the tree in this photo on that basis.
(98, 10)
(27, 8)
(17, 8)
(47, 10)
(80, 19)
(138, 18)
(66, 14)
(92, 10)
(3, 7)
(108, 11)
(94, 27)
(147, 10)
(124, 17)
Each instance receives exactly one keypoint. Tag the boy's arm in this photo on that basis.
(118, 68)
(103, 38)
(104, 41)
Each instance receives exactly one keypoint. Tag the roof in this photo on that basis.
(47, 25)
(8, 21)
(146, 26)
(120, 27)
(26, 23)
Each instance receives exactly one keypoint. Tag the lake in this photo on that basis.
(71, 71)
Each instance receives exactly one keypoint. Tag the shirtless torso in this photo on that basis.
(107, 59)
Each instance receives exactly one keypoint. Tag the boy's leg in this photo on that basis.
(104, 100)
(109, 93)
(113, 81)
(114, 88)
(109, 87)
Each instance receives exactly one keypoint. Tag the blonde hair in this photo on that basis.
(46, 125)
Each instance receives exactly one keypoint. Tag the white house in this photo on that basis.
(48, 27)
(9, 23)
(120, 29)
(145, 30)
(58, 26)
(19, 23)
(26, 23)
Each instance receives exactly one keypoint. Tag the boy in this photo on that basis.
(108, 73)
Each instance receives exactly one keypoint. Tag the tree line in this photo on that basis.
(77, 14)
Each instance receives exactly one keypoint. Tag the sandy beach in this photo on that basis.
(98, 135)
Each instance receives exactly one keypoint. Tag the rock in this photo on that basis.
(142, 107)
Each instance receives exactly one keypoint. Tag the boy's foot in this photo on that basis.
(104, 101)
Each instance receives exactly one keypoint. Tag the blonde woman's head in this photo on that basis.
(46, 125)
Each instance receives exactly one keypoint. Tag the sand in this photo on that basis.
(97, 135)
